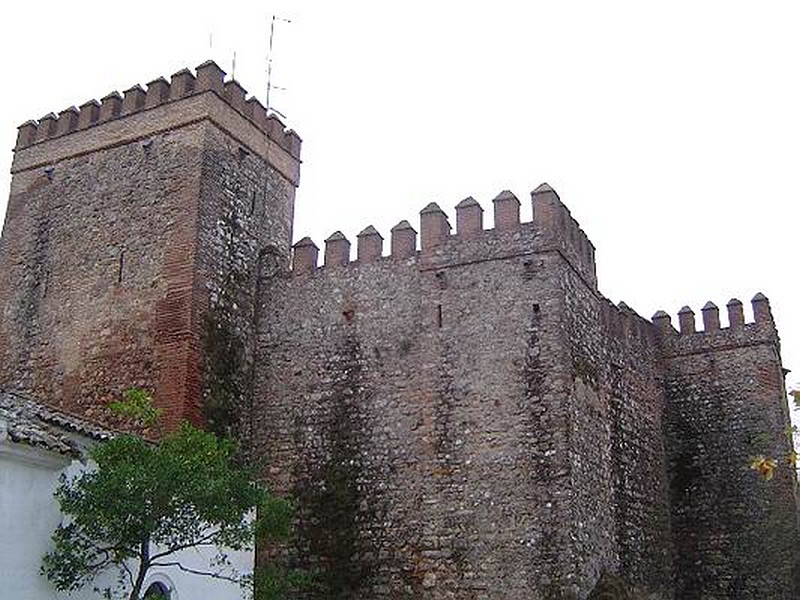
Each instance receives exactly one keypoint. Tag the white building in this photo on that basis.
(37, 445)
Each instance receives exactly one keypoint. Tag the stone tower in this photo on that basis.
(132, 224)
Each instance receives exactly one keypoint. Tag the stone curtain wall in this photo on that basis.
(618, 457)
(419, 422)
(736, 536)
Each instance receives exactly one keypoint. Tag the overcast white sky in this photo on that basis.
(670, 129)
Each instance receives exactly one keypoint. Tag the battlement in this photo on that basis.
(552, 229)
(625, 324)
(687, 338)
(208, 78)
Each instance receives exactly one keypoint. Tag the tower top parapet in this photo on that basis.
(208, 78)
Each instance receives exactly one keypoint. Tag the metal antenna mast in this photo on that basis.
(269, 58)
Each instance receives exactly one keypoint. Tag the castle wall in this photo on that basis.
(619, 466)
(471, 419)
(420, 416)
(125, 218)
(736, 535)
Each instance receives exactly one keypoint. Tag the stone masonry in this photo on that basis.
(463, 418)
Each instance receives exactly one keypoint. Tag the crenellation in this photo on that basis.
(563, 232)
(370, 245)
(157, 93)
(47, 127)
(251, 106)
(506, 211)
(686, 320)
(292, 142)
(26, 134)
(548, 212)
(469, 218)
(710, 317)
(714, 336)
(235, 94)
(67, 121)
(735, 314)
(110, 106)
(626, 321)
(275, 126)
(403, 240)
(133, 100)
(635, 328)
(209, 78)
(471, 241)
(434, 226)
(663, 323)
(181, 84)
(761, 310)
(337, 250)
(257, 112)
(763, 320)
(89, 114)
(304, 256)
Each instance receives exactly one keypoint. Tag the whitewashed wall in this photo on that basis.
(29, 514)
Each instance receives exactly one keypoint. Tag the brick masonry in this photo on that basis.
(470, 420)
(124, 233)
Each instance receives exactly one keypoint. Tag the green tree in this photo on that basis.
(146, 502)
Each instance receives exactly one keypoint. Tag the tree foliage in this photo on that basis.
(146, 502)
(764, 465)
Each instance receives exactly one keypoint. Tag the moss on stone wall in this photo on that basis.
(329, 495)
(222, 369)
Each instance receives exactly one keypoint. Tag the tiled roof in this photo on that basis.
(29, 422)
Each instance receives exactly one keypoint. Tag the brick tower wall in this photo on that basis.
(111, 245)
(736, 536)
(420, 415)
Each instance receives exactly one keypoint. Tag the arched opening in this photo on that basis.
(157, 591)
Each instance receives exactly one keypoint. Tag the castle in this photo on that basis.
(466, 419)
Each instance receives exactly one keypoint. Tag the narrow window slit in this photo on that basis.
(439, 315)
(120, 266)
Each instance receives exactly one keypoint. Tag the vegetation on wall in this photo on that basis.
(224, 360)
(330, 498)
(764, 464)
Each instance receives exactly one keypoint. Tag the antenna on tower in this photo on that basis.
(270, 87)
(233, 66)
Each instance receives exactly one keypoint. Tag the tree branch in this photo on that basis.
(199, 542)
(128, 571)
(196, 572)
